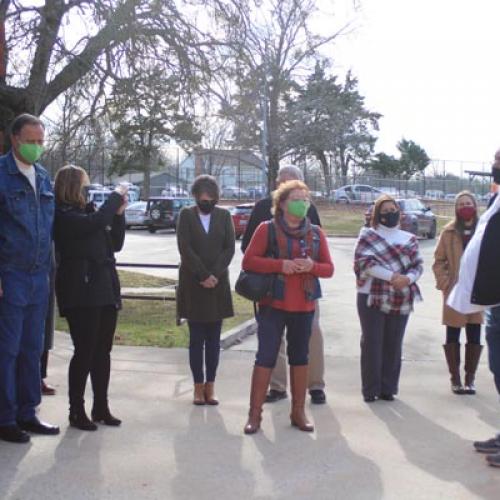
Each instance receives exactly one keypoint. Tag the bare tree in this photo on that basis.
(271, 44)
(40, 59)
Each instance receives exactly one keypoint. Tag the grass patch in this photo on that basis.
(341, 219)
(145, 323)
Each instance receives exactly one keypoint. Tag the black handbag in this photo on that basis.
(257, 286)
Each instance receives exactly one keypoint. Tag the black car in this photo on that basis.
(163, 212)
(416, 218)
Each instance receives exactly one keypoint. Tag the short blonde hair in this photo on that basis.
(283, 192)
(68, 185)
(374, 221)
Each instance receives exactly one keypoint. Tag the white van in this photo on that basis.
(98, 197)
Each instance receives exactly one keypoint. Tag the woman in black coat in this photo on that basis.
(88, 288)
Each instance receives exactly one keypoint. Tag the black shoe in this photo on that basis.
(386, 397)
(36, 426)
(80, 421)
(493, 460)
(273, 395)
(489, 446)
(13, 434)
(369, 399)
(105, 418)
(318, 396)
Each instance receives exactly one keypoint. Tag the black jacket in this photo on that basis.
(486, 290)
(85, 242)
(262, 212)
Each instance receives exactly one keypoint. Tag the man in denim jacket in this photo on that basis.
(26, 218)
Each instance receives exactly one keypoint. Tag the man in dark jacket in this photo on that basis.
(486, 287)
(26, 218)
(262, 213)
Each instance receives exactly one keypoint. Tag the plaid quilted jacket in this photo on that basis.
(372, 250)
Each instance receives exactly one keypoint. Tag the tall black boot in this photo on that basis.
(472, 356)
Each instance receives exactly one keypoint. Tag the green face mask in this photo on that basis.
(298, 208)
(31, 152)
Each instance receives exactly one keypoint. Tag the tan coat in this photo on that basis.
(446, 266)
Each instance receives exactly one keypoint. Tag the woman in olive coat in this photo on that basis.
(447, 255)
(205, 237)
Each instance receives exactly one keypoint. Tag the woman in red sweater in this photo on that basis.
(301, 256)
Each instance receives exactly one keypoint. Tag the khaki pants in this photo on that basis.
(316, 371)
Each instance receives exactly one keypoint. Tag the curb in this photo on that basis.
(237, 334)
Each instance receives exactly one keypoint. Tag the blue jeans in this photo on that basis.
(493, 341)
(204, 335)
(271, 325)
(22, 321)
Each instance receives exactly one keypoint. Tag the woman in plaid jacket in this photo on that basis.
(387, 265)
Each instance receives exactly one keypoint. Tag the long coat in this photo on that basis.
(204, 254)
(86, 241)
(446, 267)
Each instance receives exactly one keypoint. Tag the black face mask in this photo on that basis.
(495, 173)
(206, 206)
(390, 219)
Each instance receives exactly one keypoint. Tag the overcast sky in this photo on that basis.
(432, 68)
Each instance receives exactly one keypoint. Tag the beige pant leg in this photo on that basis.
(278, 376)
(316, 374)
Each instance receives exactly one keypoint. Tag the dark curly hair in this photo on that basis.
(205, 184)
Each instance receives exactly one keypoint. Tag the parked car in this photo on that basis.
(135, 214)
(174, 192)
(415, 217)
(434, 194)
(97, 196)
(356, 193)
(450, 197)
(234, 192)
(241, 216)
(256, 193)
(163, 212)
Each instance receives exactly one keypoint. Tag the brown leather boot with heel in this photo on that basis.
(472, 357)
(260, 382)
(199, 394)
(298, 386)
(452, 354)
(210, 398)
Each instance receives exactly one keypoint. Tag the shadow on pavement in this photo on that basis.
(438, 451)
(316, 465)
(209, 460)
(71, 464)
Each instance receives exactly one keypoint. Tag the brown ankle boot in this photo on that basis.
(260, 382)
(298, 386)
(210, 398)
(199, 394)
(472, 356)
(452, 354)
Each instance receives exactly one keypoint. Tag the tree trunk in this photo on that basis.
(320, 155)
(344, 165)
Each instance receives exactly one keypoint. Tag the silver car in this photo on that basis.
(135, 214)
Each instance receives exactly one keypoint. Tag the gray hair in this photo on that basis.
(291, 172)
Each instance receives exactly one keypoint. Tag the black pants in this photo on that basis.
(44, 361)
(271, 325)
(472, 331)
(381, 349)
(204, 335)
(92, 330)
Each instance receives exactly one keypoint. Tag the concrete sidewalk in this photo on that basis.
(418, 447)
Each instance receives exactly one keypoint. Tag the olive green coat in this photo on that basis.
(446, 266)
(203, 254)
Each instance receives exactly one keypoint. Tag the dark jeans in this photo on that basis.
(44, 361)
(92, 330)
(472, 331)
(204, 335)
(381, 349)
(493, 341)
(271, 325)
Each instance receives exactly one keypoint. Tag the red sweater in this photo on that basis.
(294, 298)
